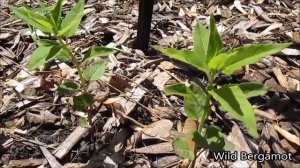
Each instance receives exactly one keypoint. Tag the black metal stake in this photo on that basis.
(144, 24)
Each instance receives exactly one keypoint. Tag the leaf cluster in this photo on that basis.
(210, 57)
(52, 22)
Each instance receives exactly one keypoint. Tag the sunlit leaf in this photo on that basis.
(83, 101)
(215, 46)
(94, 71)
(248, 54)
(72, 20)
(38, 21)
(46, 43)
(179, 55)
(181, 148)
(47, 51)
(179, 89)
(40, 56)
(56, 13)
(234, 101)
(201, 40)
(83, 121)
(97, 51)
(252, 89)
(66, 88)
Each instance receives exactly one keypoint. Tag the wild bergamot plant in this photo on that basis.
(52, 23)
(209, 56)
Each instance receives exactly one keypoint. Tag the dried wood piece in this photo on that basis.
(289, 51)
(50, 158)
(161, 148)
(290, 137)
(265, 115)
(26, 163)
(240, 144)
(262, 14)
(272, 137)
(166, 161)
(281, 78)
(72, 139)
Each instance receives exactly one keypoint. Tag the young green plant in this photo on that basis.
(209, 56)
(52, 23)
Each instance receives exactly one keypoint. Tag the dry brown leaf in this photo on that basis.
(296, 37)
(111, 100)
(44, 116)
(166, 65)
(190, 126)
(159, 129)
(118, 83)
(163, 112)
(161, 79)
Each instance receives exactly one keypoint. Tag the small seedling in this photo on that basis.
(209, 56)
(52, 23)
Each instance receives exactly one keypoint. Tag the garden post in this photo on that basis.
(144, 24)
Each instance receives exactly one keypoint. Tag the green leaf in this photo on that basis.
(39, 57)
(193, 108)
(46, 43)
(248, 54)
(194, 98)
(181, 148)
(252, 89)
(94, 71)
(185, 56)
(195, 102)
(234, 101)
(201, 41)
(47, 51)
(83, 101)
(83, 121)
(72, 20)
(215, 46)
(213, 140)
(179, 55)
(56, 13)
(179, 89)
(66, 88)
(97, 51)
(34, 19)
(43, 9)
(63, 55)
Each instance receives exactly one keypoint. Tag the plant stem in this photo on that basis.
(207, 110)
(77, 64)
(82, 80)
